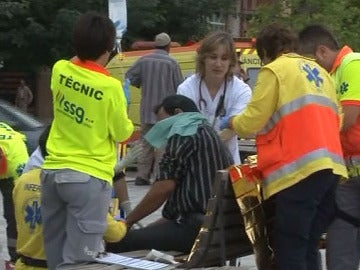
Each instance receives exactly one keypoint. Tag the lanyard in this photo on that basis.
(220, 108)
(201, 101)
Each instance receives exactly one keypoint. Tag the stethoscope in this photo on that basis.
(220, 108)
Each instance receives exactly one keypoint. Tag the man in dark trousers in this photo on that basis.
(193, 154)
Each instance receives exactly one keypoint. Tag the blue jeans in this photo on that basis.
(303, 212)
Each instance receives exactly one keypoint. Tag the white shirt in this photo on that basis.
(35, 160)
(237, 96)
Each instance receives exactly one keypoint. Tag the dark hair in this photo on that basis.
(173, 102)
(43, 139)
(314, 35)
(93, 35)
(210, 44)
(274, 40)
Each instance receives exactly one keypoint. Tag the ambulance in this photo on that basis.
(185, 55)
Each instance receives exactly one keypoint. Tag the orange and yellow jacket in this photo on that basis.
(296, 117)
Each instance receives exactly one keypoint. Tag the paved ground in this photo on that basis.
(136, 194)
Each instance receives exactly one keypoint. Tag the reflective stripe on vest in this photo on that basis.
(301, 162)
(295, 105)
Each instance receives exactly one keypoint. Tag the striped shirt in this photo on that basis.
(158, 75)
(192, 161)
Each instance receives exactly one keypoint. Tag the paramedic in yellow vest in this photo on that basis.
(343, 238)
(30, 247)
(90, 116)
(296, 118)
(14, 156)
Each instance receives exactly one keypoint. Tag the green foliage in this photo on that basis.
(182, 19)
(143, 17)
(61, 30)
(341, 16)
(12, 28)
(34, 33)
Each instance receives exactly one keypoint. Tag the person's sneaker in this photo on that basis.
(141, 182)
(9, 265)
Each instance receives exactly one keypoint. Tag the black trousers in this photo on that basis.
(176, 235)
(303, 213)
(6, 188)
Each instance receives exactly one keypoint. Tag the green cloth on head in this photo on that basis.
(183, 124)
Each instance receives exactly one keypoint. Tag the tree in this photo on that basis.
(182, 19)
(35, 33)
(14, 27)
(341, 16)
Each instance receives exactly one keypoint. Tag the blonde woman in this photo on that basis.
(214, 88)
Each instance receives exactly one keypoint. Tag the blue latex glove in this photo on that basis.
(225, 122)
(127, 91)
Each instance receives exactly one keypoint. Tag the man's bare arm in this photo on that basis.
(157, 195)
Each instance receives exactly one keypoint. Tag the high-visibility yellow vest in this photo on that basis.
(14, 153)
(346, 75)
(90, 116)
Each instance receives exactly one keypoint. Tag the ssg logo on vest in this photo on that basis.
(71, 109)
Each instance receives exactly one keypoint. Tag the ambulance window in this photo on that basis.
(253, 74)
